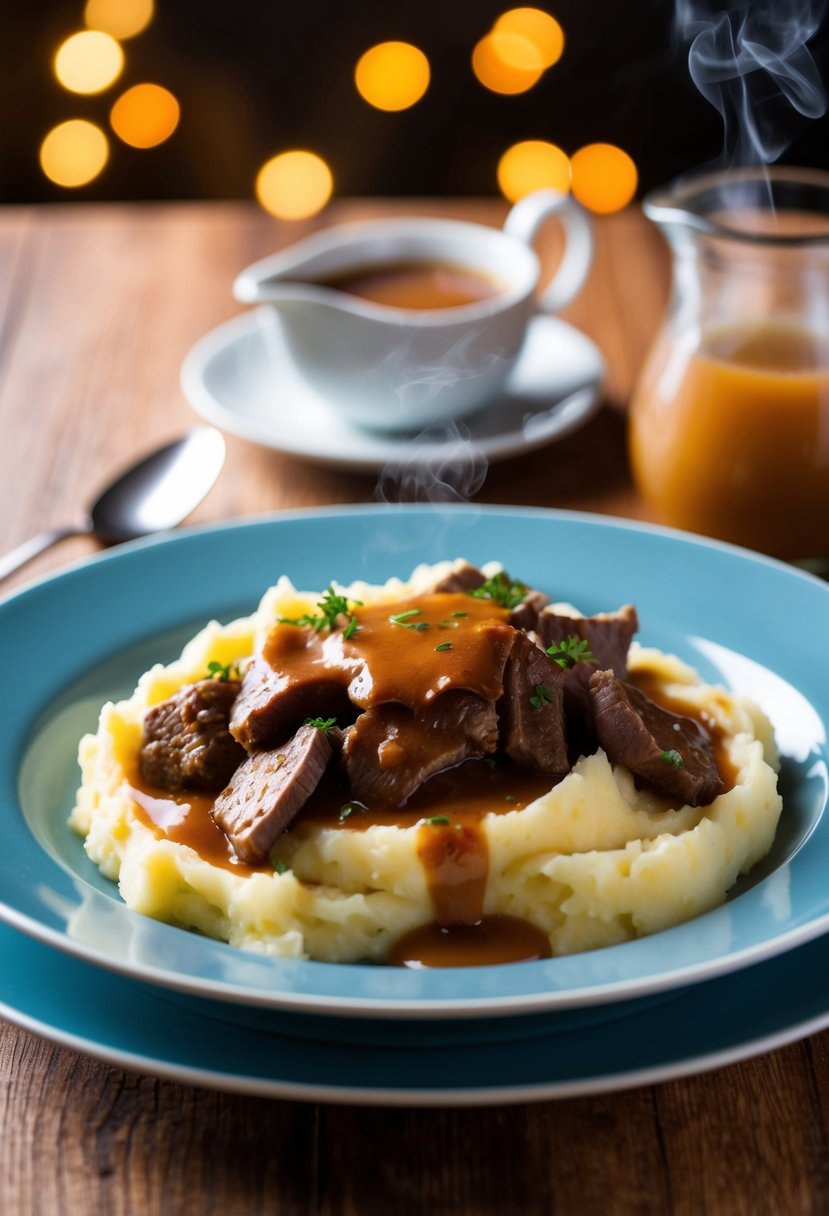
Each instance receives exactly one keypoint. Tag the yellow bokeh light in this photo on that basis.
(120, 18)
(88, 62)
(74, 153)
(294, 185)
(604, 178)
(537, 27)
(507, 63)
(531, 165)
(145, 115)
(392, 75)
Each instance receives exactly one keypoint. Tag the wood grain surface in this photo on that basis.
(98, 306)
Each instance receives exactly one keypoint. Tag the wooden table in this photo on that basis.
(97, 307)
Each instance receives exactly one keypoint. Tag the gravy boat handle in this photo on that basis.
(524, 222)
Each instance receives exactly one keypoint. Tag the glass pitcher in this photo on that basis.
(729, 424)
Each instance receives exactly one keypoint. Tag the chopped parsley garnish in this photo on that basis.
(501, 589)
(460, 614)
(438, 820)
(672, 757)
(542, 697)
(404, 619)
(571, 650)
(331, 607)
(280, 866)
(444, 646)
(223, 671)
(350, 808)
(510, 798)
(323, 724)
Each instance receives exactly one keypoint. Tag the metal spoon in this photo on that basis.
(155, 494)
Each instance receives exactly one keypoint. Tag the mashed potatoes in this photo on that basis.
(593, 862)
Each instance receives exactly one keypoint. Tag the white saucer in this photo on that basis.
(241, 377)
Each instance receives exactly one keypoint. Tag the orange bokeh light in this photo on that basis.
(537, 27)
(507, 63)
(392, 75)
(294, 185)
(145, 115)
(604, 178)
(531, 165)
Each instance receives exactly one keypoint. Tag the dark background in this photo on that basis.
(254, 79)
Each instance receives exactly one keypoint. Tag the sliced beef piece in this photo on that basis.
(671, 752)
(271, 704)
(608, 635)
(187, 744)
(531, 711)
(269, 789)
(390, 751)
(525, 615)
(462, 577)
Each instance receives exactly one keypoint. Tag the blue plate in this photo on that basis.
(83, 636)
(485, 1060)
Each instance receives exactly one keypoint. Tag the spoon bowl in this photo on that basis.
(152, 495)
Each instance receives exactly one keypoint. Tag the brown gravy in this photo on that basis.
(449, 641)
(492, 939)
(416, 285)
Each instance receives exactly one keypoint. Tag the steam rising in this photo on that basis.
(753, 65)
(455, 470)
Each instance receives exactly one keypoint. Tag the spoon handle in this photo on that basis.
(30, 548)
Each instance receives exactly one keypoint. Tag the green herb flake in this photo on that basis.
(571, 650)
(438, 820)
(460, 614)
(672, 757)
(280, 866)
(510, 798)
(542, 697)
(332, 606)
(444, 646)
(223, 671)
(350, 808)
(501, 589)
(323, 724)
(351, 628)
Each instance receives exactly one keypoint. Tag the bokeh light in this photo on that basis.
(531, 165)
(604, 177)
(294, 185)
(507, 63)
(74, 152)
(88, 62)
(120, 18)
(392, 75)
(537, 27)
(145, 115)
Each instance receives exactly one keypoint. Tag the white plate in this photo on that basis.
(241, 377)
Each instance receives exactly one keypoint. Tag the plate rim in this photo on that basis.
(684, 1063)
(423, 1007)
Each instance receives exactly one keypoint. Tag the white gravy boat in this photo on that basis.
(399, 369)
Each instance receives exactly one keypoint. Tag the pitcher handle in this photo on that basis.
(523, 223)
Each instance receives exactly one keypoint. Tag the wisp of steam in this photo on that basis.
(752, 63)
(454, 468)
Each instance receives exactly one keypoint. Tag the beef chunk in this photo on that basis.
(531, 710)
(187, 744)
(269, 789)
(525, 615)
(462, 577)
(271, 704)
(671, 752)
(390, 751)
(608, 635)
